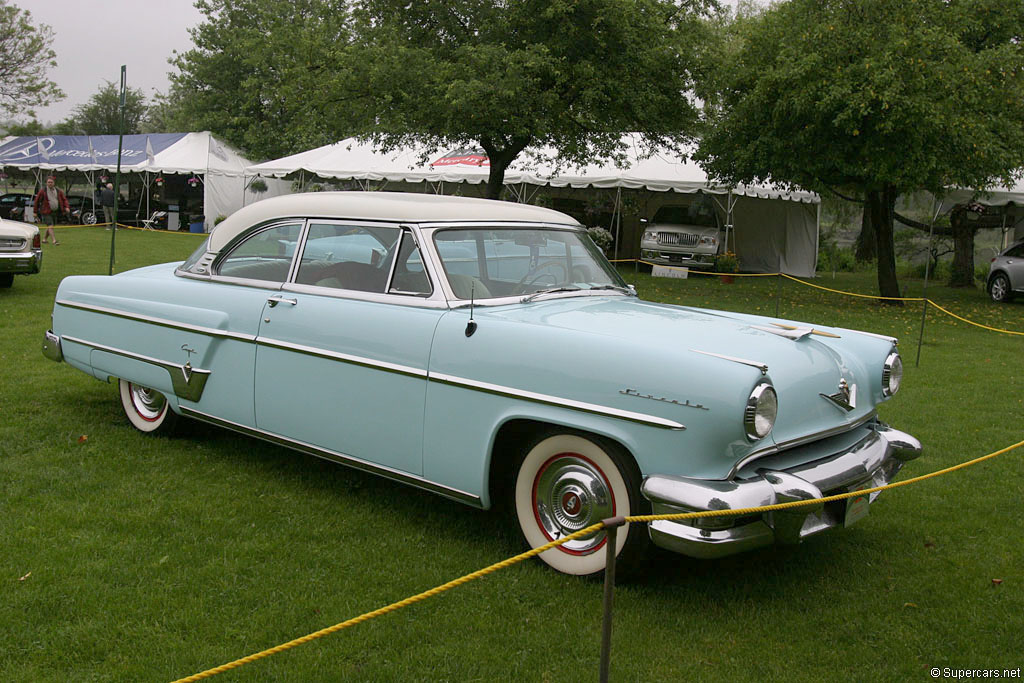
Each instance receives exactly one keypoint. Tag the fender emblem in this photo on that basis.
(845, 398)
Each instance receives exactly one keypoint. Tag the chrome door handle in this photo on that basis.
(275, 300)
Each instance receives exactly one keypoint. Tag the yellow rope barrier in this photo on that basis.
(971, 322)
(548, 546)
(839, 291)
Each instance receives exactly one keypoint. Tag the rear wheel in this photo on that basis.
(999, 288)
(566, 482)
(146, 409)
(6, 280)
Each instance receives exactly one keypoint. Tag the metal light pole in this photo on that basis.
(117, 175)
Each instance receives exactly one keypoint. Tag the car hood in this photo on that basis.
(696, 346)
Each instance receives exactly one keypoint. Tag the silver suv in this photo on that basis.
(682, 235)
(1006, 273)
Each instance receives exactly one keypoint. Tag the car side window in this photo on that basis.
(1017, 251)
(266, 255)
(410, 276)
(348, 257)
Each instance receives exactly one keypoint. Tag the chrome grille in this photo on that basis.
(11, 244)
(682, 239)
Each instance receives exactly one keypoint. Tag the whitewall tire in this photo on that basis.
(146, 409)
(567, 482)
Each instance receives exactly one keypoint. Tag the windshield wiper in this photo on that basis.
(614, 288)
(550, 290)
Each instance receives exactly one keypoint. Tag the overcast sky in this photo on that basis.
(93, 39)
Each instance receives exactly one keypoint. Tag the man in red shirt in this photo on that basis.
(49, 203)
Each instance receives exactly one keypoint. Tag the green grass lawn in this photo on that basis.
(126, 557)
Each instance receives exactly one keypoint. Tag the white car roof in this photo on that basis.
(384, 206)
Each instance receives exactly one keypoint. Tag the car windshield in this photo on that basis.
(484, 263)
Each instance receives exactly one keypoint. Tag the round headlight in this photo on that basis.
(759, 415)
(892, 374)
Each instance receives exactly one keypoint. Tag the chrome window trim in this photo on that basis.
(393, 298)
(162, 322)
(340, 458)
(547, 399)
(188, 382)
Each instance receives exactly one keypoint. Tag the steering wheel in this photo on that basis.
(527, 281)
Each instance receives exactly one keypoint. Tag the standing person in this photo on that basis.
(107, 202)
(49, 203)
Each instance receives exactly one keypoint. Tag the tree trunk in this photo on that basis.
(880, 207)
(962, 274)
(500, 159)
(865, 247)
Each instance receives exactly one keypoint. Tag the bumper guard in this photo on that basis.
(874, 461)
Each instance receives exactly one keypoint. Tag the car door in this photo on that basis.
(1015, 267)
(341, 359)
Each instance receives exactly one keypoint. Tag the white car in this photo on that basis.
(21, 252)
(1006, 274)
(685, 235)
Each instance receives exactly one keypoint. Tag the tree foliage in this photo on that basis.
(101, 114)
(264, 75)
(569, 74)
(25, 56)
(871, 98)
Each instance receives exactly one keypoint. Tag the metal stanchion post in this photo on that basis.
(612, 525)
(778, 292)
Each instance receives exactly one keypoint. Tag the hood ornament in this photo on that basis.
(845, 398)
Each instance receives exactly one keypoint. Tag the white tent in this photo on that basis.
(774, 229)
(201, 156)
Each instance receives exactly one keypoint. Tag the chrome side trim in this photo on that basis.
(546, 399)
(763, 367)
(162, 322)
(556, 401)
(188, 382)
(343, 357)
(340, 458)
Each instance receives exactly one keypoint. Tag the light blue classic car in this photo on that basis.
(488, 352)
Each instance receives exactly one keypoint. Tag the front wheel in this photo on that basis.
(147, 410)
(566, 482)
(999, 288)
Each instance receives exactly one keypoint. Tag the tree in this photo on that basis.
(101, 115)
(263, 75)
(572, 75)
(869, 99)
(25, 56)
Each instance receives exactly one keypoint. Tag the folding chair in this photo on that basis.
(147, 223)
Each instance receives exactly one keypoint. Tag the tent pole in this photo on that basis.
(936, 207)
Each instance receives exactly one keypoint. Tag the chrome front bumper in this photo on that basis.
(872, 461)
(26, 262)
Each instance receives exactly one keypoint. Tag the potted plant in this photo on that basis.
(727, 264)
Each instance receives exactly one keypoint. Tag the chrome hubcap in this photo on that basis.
(148, 403)
(571, 493)
(999, 288)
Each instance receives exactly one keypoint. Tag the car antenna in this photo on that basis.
(471, 325)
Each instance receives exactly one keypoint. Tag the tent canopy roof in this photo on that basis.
(660, 171)
(155, 153)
